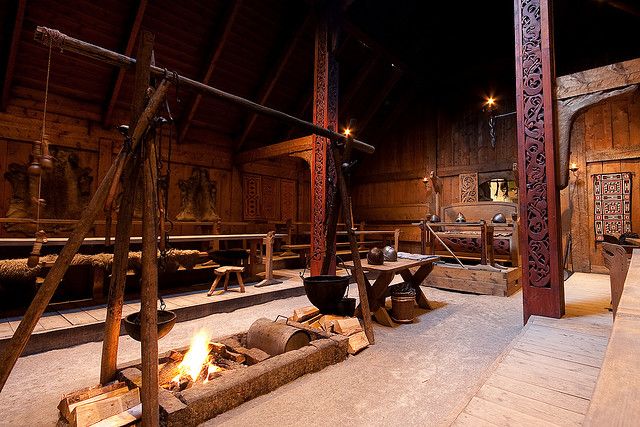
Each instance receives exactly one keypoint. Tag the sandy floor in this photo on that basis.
(415, 375)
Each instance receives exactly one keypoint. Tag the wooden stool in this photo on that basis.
(224, 271)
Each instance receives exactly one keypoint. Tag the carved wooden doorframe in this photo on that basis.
(540, 232)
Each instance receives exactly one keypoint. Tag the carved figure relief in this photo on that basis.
(198, 196)
(468, 187)
(66, 190)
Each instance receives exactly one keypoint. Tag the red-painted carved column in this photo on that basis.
(540, 242)
(325, 113)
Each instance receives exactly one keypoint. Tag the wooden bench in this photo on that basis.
(472, 239)
(616, 399)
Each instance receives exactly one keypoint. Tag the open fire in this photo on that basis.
(202, 362)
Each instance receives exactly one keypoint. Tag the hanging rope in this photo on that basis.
(41, 159)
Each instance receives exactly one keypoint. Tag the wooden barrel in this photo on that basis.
(276, 337)
(402, 306)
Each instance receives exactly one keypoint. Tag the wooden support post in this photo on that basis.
(118, 274)
(423, 237)
(540, 237)
(396, 239)
(125, 217)
(325, 114)
(149, 291)
(353, 244)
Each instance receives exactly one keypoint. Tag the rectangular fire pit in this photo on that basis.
(189, 403)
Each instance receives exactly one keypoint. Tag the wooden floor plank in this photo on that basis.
(534, 408)
(98, 313)
(534, 348)
(544, 379)
(560, 373)
(542, 394)
(595, 329)
(502, 415)
(468, 420)
(53, 321)
(77, 317)
(552, 362)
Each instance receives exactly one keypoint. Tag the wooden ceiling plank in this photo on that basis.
(128, 50)
(272, 78)
(377, 102)
(13, 53)
(229, 19)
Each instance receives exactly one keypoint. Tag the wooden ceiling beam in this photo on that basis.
(608, 77)
(284, 148)
(13, 53)
(377, 102)
(220, 41)
(128, 50)
(272, 78)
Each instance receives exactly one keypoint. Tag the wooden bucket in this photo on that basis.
(402, 307)
(276, 337)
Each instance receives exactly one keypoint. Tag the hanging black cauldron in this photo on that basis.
(166, 320)
(326, 292)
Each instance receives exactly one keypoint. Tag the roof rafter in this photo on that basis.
(13, 53)
(272, 78)
(220, 40)
(128, 50)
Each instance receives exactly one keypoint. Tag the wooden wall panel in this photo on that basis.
(605, 138)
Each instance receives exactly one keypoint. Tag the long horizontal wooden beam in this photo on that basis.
(284, 148)
(220, 41)
(609, 77)
(69, 44)
(272, 78)
(117, 85)
(13, 54)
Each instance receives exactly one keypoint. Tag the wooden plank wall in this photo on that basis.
(75, 125)
(388, 184)
(605, 138)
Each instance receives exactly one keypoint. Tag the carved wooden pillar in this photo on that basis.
(540, 234)
(323, 175)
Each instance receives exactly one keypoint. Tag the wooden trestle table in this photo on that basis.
(379, 291)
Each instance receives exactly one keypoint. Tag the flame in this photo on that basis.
(196, 357)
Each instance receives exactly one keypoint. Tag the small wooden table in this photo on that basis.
(379, 291)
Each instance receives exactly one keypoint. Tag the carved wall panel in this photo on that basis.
(198, 196)
(66, 190)
(288, 199)
(252, 192)
(270, 198)
(468, 187)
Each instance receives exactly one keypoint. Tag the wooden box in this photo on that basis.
(450, 276)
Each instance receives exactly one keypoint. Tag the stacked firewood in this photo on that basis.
(110, 405)
(330, 323)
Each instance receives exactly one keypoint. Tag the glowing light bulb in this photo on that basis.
(491, 101)
(347, 131)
